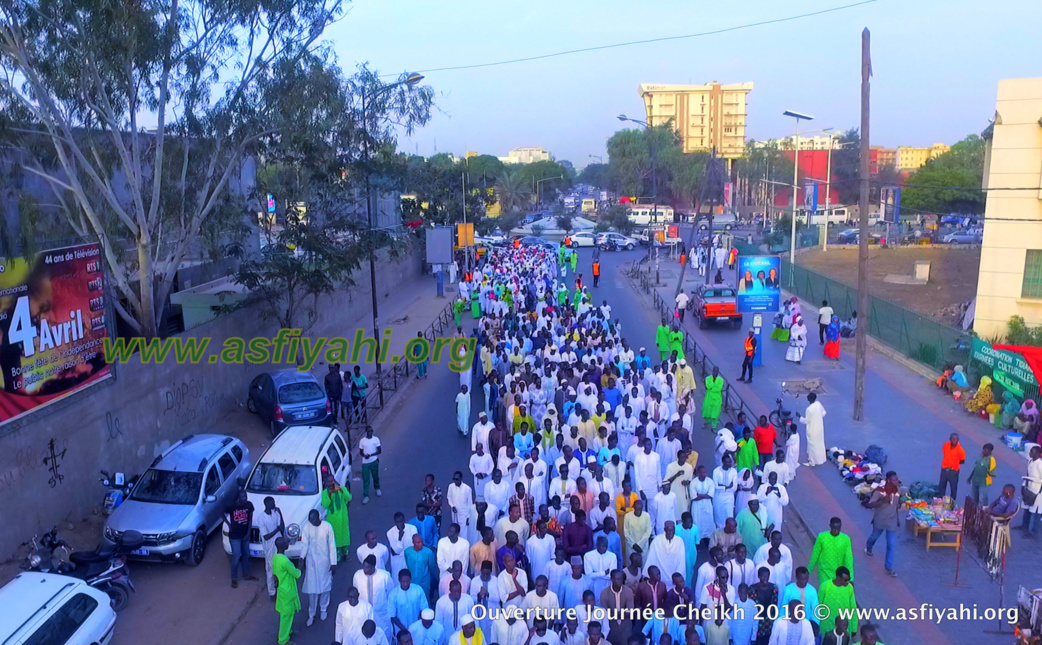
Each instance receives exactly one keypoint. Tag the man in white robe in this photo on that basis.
(664, 509)
(726, 480)
(452, 608)
(498, 491)
(350, 616)
(647, 468)
(724, 444)
(460, 499)
(814, 418)
(668, 553)
(775, 498)
(667, 450)
(535, 484)
(540, 547)
(481, 466)
(375, 549)
(792, 451)
(319, 555)
(271, 526)
(399, 538)
(702, 490)
(479, 434)
(598, 565)
(452, 548)
(373, 586)
(463, 404)
(480, 511)
(484, 589)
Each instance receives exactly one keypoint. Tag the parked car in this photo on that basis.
(723, 221)
(616, 240)
(850, 236)
(51, 609)
(531, 240)
(180, 499)
(490, 240)
(715, 304)
(582, 239)
(964, 237)
(289, 398)
(291, 470)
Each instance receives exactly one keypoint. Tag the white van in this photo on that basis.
(49, 609)
(642, 215)
(291, 470)
(834, 217)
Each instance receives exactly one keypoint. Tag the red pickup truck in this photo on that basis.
(715, 303)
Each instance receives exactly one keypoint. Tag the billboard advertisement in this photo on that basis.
(52, 326)
(759, 283)
(890, 204)
(810, 197)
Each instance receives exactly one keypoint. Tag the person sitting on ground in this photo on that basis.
(1026, 421)
(848, 328)
(982, 398)
(957, 381)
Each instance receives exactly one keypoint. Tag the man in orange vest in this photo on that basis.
(747, 362)
(517, 243)
(596, 272)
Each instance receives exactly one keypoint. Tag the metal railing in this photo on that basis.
(393, 378)
(732, 402)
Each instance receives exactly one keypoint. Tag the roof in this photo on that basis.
(27, 593)
(187, 456)
(297, 445)
(291, 375)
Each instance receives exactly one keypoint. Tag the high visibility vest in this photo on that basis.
(517, 244)
(596, 268)
(749, 348)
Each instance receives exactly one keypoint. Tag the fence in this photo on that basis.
(732, 402)
(393, 378)
(917, 337)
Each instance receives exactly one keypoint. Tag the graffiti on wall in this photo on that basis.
(186, 401)
(53, 460)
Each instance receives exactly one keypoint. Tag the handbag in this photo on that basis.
(1029, 496)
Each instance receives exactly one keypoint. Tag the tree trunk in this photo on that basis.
(149, 325)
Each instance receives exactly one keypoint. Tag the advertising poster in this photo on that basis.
(810, 197)
(759, 283)
(52, 326)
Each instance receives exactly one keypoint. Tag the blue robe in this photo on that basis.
(428, 530)
(572, 591)
(406, 605)
(691, 538)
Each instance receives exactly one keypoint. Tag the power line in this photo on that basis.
(645, 42)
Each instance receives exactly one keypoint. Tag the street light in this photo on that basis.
(654, 188)
(599, 158)
(795, 187)
(409, 81)
(538, 198)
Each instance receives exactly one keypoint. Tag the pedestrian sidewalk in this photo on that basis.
(910, 419)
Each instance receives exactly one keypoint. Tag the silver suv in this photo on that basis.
(181, 498)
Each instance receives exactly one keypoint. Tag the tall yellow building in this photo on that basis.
(706, 116)
(1009, 282)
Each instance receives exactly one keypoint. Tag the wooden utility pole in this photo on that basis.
(861, 337)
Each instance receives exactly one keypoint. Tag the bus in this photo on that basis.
(589, 205)
(644, 214)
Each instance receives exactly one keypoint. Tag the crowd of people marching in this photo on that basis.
(585, 506)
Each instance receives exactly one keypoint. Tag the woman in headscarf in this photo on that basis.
(982, 398)
(957, 381)
(1027, 419)
(832, 339)
(782, 322)
(797, 341)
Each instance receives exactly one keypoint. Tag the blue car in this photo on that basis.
(289, 398)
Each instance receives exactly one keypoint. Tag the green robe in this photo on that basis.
(423, 566)
(752, 529)
(475, 305)
(508, 297)
(336, 515)
(662, 341)
(561, 250)
(836, 598)
(747, 456)
(574, 260)
(577, 297)
(712, 402)
(562, 296)
(287, 602)
(831, 552)
(676, 342)
(457, 312)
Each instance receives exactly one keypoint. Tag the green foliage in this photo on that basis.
(764, 163)
(437, 183)
(547, 190)
(1018, 333)
(637, 158)
(617, 217)
(596, 174)
(961, 166)
(513, 190)
(508, 221)
(485, 169)
(845, 168)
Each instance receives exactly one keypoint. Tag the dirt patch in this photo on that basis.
(953, 276)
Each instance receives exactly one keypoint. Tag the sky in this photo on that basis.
(936, 65)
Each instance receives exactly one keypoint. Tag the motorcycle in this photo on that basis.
(781, 417)
(119, 488)
(104, 568)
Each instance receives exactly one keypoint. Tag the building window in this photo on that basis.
(1032, 286)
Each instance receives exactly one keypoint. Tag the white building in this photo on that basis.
(526, 155)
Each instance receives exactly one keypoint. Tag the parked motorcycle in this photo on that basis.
(104, 568)
(119, 488)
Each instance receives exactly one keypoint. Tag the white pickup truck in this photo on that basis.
(644, 236)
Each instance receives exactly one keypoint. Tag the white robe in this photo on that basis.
(379, 552)
(663, 509)
(479, 434)
(797, 343)
(319, 555)
(349, 620)
(473, 535)
(724, 443)
(398, 546)
(814, 418)
(540, 552)
(792, 454)
(670, 556)
(463, 407)
(702, 510)
(598, 567)
(449, 553)
(648, 471)
(774, 503)
(481, 465)
(381, 588)
(460, 498)
(760, 557)
(723, 502)
(745, 490)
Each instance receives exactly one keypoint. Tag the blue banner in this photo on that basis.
(759, 283)
(810, 197)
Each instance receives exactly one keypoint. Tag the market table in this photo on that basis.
(939, 534)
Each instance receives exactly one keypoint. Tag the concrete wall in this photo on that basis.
(123, 423)
(1012, 218)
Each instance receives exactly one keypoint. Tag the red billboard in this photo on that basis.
(52, 326)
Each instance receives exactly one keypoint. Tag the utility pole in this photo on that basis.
(861, 337)
(694, 223)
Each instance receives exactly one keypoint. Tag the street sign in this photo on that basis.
(810, 197)
(439, 245)
(464, 235)
(1007, 369)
